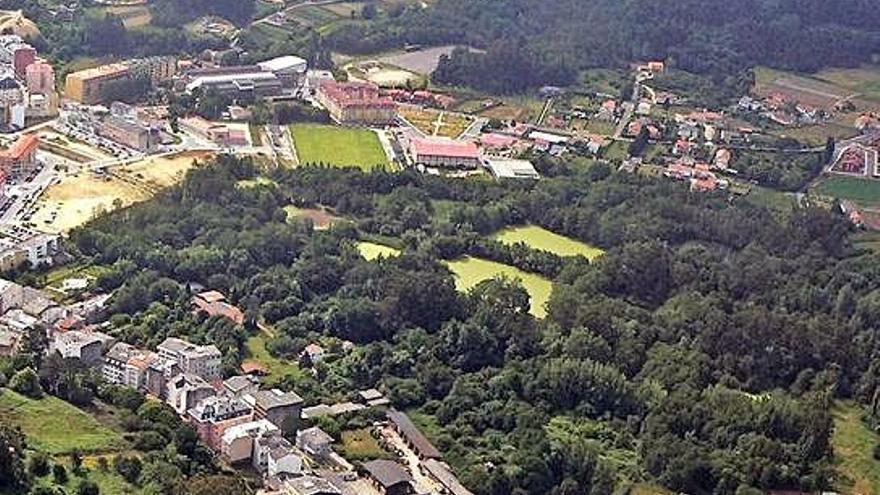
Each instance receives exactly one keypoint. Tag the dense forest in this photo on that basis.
(540, 42)
(702, 352)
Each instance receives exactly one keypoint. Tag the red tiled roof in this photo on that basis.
(446, 148)
(355, 94)
(23, 146)
(494, 140)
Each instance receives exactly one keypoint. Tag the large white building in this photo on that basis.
(200, 360)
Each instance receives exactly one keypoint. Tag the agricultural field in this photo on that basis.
(359, 445)
(782, 204)
(824, 89)
(853, 444)
(133, 16)
(371, 250)
(539, 238)
(56, 427)
(435, 122)
(338, 146)
(471, 271)
(862, 191)
(321, 218)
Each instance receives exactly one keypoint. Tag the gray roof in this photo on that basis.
(174, 344)
(443, 474)
(270, 399)
(314, 436)
(311, 485)
(412, 435)
(387, 473)
(120, 352)
(237, 383)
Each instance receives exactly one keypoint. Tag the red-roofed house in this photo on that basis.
(214, 303)
(682, 147)
(444, 153)
(356, 103)
(20, 158)
(495, 141)
(656, 66)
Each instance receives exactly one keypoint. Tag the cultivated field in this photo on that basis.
(371, 250)
(133, 16)
(55, 427)
(435, 122)
(825, 88)
(338, 146)
(321, 219)
(539, 238)
(471, 271)
(862, 191)
(359, 445)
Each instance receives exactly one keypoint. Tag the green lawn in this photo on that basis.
(860, 190)
(782, 204)
(108, 481)
(372, 250)
(338, 146)
(471, 271)
(359, 445)
(278, 368)
(55, 427)
(539, 238)
(853, 444)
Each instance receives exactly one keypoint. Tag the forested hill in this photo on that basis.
(539, 41)
(702, 352)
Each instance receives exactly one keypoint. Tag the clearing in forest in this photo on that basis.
(540, 238)
(471, 271)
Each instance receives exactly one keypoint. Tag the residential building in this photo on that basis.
(504, 168)
(444, 153)
(136, 369)
(90, 86)
(159, 373)
(42, 105)
(84, 346)
(40, 78)
(373, 398)
(389, 477)
(315, 442)
(315, 353)
(214, 415)
(9, 342)
(274, 456)
(113, 367)
(157, 69)
(23, 55)
(128, 133)
(184, 391)
(199, 360)
(283, 409)
(356, 103)
(241, 385)
(237, 443)
(213, 303)
(20, 159)
(20, 245)
(411, 435)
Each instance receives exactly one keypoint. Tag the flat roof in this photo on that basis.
(512, 169)
(283, 63)
(102, 70)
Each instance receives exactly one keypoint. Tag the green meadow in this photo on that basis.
(540, 238)
(371, 250)
(471, 271)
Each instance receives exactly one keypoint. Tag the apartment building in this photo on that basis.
(90, 86)
(199, 360)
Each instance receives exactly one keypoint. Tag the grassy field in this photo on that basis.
(782, 204)
(321, 219)
(56, 427)
(867, 240)
(471, 271)
(109, 483)
(853, 444)
(860, 190)
(539, 238)
(372, 250)
(278, 368)
(359, 445)
(434, 122)
(338, 146)
(133, 16)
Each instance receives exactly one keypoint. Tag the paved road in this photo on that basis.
(268, 18)
(473, 130)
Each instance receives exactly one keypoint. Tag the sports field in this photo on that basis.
(540, 238)
(471, 271)
(864, 191)
(55, 427)
(372, 250)
(338, 146)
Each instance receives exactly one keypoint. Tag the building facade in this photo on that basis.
(90, 86)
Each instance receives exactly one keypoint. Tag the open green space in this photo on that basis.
(867, 240)
(109, 482)
(257, 352)
(540, 238)
(338, 146)
(359, 445)
(372, 250)
(853, 443)
(55, 427)
(864, 191)
(471, 271)
(782, 204)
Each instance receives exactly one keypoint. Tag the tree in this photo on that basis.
(76, 460)
(59, 474)
(26, 382)
(87, 487)
(12, 453)
(128, 467)
(38, 465)
(638, 145)
(369, 11)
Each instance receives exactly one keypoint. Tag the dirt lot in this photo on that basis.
(422, 62)
(164, 171)
(78, 198)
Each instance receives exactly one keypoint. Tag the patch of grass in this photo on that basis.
(618, 150)
(648, 489)
(868, 240)
(853, 445)
(540, 238)
(56, 427)
(338, 146)
(257, 181)
(371, 250)
(864, 191)
(782, 204)
(359, 445)
(256, 347)
(471, 271)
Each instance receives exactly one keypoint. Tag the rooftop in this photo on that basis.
(412, 434)
(445, 148)
(270, 399)
(100, 71)
(284, 63)
(387, 473)
(314, 436)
